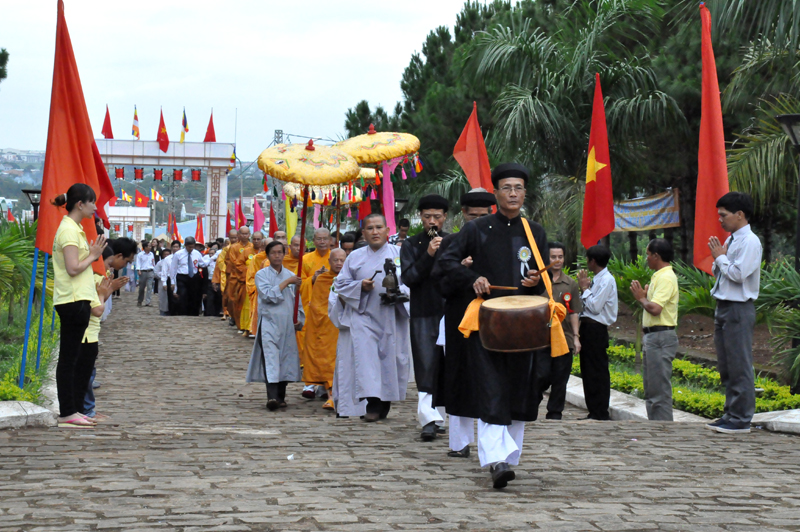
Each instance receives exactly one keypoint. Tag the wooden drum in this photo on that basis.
(515, 324)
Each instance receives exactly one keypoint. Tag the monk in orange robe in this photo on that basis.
(220, 277)
(314, 263)
(259, 262)
(321, 334)
(292, 259)
(254, 263)
(236, 266)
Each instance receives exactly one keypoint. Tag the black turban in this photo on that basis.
(433, 201)
(478, 198)
(502, 171)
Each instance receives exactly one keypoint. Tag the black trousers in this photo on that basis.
(277, 391)
(558, 376)
(210, 304)
(83, 372)
(74, 319)
(189, 295)
(116, 276)
(594, 368)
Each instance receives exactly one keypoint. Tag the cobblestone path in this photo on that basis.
(191, 447)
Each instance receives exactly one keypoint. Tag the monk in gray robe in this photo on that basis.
(379, 333)
(343, 375)
(275, 358)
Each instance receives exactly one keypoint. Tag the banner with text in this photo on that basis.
(644, 214)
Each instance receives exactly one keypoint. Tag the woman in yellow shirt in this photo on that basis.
(75, 296)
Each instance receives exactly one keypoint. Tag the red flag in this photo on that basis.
(470, 152)
(210, 135)
(107, 133)
(112, 201)
(162, 138)
(712, 168)
(72, 155)
(598, 201)
(241, 221)
(171, 226)
(141, 200)
(258, 216)
(228, 223)
(273, 221)
(198, 233)
(10, 216)
(364, 209)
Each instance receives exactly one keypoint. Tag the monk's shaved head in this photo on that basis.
(322, 232)
(322, 240)
(258, 241)
(233, 236)
(244, 234)
(294, 246)
(336, 259)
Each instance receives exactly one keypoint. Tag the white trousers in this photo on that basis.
(462, 432)
(500, 443)
(426, 413)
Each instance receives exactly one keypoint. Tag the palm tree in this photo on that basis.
(762, 162)
(544, 108)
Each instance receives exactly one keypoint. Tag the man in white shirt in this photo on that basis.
(186, 276)
(600, 305)
(167, 284)
(145, 262)
(737, 267)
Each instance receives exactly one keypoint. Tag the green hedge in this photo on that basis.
(687, 377)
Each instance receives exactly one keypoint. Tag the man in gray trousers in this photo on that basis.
(737, 267)
(145, 264)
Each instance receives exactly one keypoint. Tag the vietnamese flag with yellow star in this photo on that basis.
(598, 200)
(141, 199)
(162, 138)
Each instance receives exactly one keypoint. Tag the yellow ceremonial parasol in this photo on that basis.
(320, 194)
(307, 165)
(374, 147)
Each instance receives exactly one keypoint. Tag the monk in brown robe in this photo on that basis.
(321, 334)
(314, 263)
(236, 266)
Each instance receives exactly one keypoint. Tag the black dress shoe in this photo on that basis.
(272, 404)
(463, 453)
(371, 417)
(501, 475)
(440, 430)
(429, 432)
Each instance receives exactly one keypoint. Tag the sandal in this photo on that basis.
(328, 405)
(463, 453)
(75, 423)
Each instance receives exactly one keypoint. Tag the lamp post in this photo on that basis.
(35, 197)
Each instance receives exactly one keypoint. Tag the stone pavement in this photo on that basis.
(192, 447)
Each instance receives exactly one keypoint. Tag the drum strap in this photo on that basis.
(558, 342)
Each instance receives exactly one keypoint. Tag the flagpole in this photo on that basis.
(41, 314)
(28, 319)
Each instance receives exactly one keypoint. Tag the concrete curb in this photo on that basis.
(623, 406)
(22, 414)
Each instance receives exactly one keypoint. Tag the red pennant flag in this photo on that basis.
(228, 223)
(364, 209)
(712, 168)
(141, 200)
(470, 152)
(71, 154)
(598, 201)
(210, 135)
(241, 221)
(171, 226)
(162, 138)
(198, 233)
(10, 216)
(273, 221)
(112, 201)
(107, 133)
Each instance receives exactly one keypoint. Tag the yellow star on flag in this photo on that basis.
(592, 167)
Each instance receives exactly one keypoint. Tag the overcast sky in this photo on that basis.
(291, 65)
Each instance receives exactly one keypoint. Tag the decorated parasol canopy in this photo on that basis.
(319, 195)
(308, 164)
(374, 147)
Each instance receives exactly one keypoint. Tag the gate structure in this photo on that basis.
(214, 157)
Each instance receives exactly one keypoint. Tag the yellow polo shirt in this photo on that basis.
(92, 334)
(68, 289)
(663, 291)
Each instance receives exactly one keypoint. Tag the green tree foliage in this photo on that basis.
(359, 118)
(3, 63)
